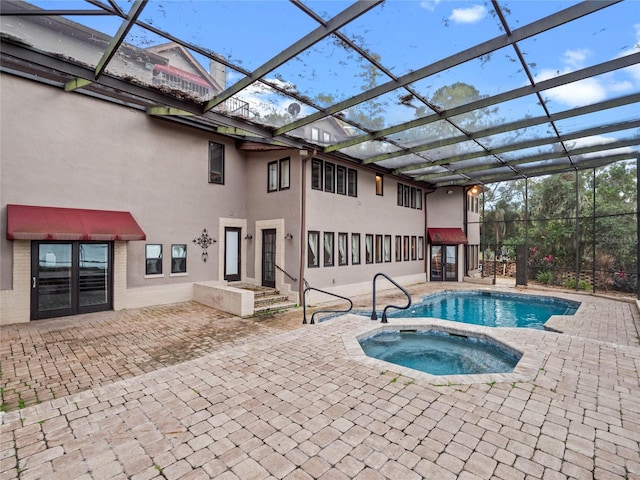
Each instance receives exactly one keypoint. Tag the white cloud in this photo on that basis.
(579, 93)
(468, 15)
(575, 58)
(429, 4)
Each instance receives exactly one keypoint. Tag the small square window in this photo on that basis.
(153, 256)
(179, 258)
(216, 163)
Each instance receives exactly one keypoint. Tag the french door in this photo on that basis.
(444, 263)
(269, 258)
(68, 278)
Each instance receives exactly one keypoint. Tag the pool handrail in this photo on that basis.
(374, 315)
(304, 303)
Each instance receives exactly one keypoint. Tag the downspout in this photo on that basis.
(303, 223)
(427, 253)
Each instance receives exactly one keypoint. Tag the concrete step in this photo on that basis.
(266, 300)
(273, 307)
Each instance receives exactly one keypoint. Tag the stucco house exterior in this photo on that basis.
(106, 206)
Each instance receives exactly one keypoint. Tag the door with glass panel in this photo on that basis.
(232, 257)
(444, 263)
(269, 258)
(68, 278)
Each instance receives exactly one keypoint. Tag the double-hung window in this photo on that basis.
(355, 249)
(328, 249)
(343, 249)
(179, 258)
(153, 257)
(368, 248)
(329, 177)
(316, 174)
(379, 184)
(278, 175)
(352, 182)
(313, 240)
(341, 180)
(216, 163)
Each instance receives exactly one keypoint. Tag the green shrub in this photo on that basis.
(582, 284)
(545, 277)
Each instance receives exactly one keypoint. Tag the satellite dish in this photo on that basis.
(294, 109)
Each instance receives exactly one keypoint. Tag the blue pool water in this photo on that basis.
(492, 309)
(439, 353)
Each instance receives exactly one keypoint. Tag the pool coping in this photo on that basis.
(531, 360)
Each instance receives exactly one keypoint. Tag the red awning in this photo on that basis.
(447, 236)
(49, 223)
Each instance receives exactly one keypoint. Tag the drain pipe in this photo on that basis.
(303, 221)
(427, 250)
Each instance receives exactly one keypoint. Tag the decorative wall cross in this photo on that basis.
(204, 240)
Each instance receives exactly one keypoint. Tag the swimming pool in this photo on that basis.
(492, 309)
(439, 353)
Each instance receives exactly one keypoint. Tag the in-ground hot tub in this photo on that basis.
(438, 352)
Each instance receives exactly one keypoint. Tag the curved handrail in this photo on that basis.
(304, 303)
(374, 315)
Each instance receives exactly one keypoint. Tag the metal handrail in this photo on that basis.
(304, 303)
(292, 278)
(374, 316)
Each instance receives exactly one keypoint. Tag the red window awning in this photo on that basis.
(25, 222)
(447, 236)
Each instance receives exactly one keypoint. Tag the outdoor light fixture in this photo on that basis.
(288, 236)
(474, 189)
(449, 192)
(248, 236)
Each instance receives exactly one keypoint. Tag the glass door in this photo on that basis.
(68, 278)
(232, 254)
(269, 258)
(52, 280)
(444, 263)
(93, 274)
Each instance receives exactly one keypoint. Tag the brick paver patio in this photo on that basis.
(187, 392)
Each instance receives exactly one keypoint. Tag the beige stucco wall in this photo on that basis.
(86, 153)
(367, 213)
(446, 210)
